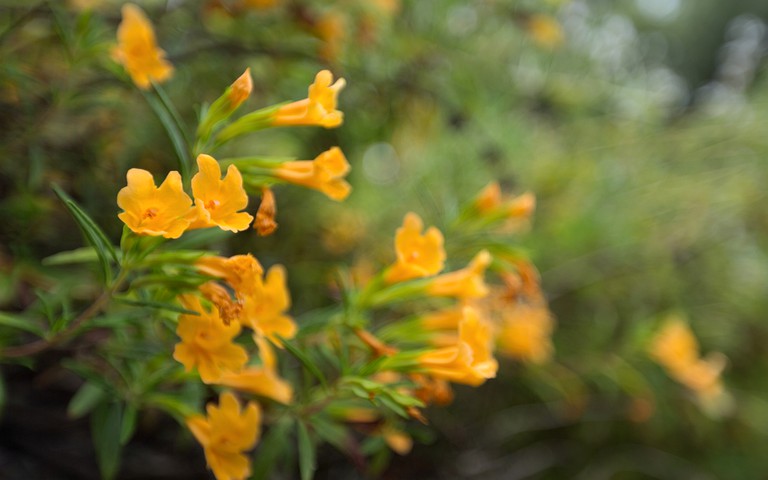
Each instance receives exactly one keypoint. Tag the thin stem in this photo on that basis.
(43, 344)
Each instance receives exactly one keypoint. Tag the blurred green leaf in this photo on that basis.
(80, 255)
(308, 364)
(171, 307)
(92, 232)
(21, 323)
(175, 133)
(274, 443)
(307, 453)
(128, 425)
(106, 428)
(85, 399)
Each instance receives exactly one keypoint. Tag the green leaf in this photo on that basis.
(171, 307)
(174, 132)
(308, 364)
(106, 426)
(80, 255)
(270, 448)
(129, 423)
(307, 453)
(17, 321)
(92, 232)
(85, 399)
(171, 405)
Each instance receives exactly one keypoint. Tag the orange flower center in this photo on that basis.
(212, 204)
(149, 213)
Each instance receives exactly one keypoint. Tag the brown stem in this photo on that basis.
(380, 349)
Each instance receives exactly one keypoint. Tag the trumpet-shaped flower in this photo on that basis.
(470, 361)
(526, 332)
(417, 255)
(206, 342)
(265, 305)
(225, 434)
(151, 210)
(240, 89)
(137, 49)
(218, 200)
(465, 283)
(239, 271)
(319, 108)
(325, 173)
(490, 202)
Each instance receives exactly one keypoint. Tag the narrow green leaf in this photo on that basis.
(80, 255)
(307, 453)
(171, 405)
(92, 232)
(129, 423)
(156, 305)
(85, 399)
(308, 364)
(106, 423)
(174, 134)
(168, 104)
(17, 321)
(274, 443)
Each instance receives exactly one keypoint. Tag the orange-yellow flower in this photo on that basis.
(263, 380)
(217, 200)
(491, 202)
(676, 349)
(151, 210)
(265, 305)
(525, 333)
(225, 434)
(137, 49)
(435, 391)
(470, 361)
(240, 271)
(417, 255)
(331, 29)
(465, 283)
(325, 173)
(319, 108)
(545, 31)
(206, 342)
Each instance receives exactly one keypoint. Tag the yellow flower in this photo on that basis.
(151, 210)
(265, 223)
(240, 271)
(432, 391)
(399, 441)
(137, 49)
(225, 434)
(545, 31)
(319, 108)
(206, 342)
(490, 202)
(331, 29)
(264, 380)
(525, 333)
(674, 345)
(470, 361)
(465, 283)
(218, 200)
(325, 173)
(417, 255)
(265, 305)
(676, 349)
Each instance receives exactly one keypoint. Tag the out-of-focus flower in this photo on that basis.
(264, 380)
(491, 205)
(137, 49)
(399, 441)
(470, 361)
(344, 232)
(325, 173)
(434, 391)
(465, 283)
(225, 434)
(525, 333)
(676, 349)
(265, 223)
(545, 31)
(206, 342)
(319, 108)
(158, 211)
(331, 29)
(417, 255)
(265, 305)
(217, 200)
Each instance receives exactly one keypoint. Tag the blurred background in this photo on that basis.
(639, 125)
